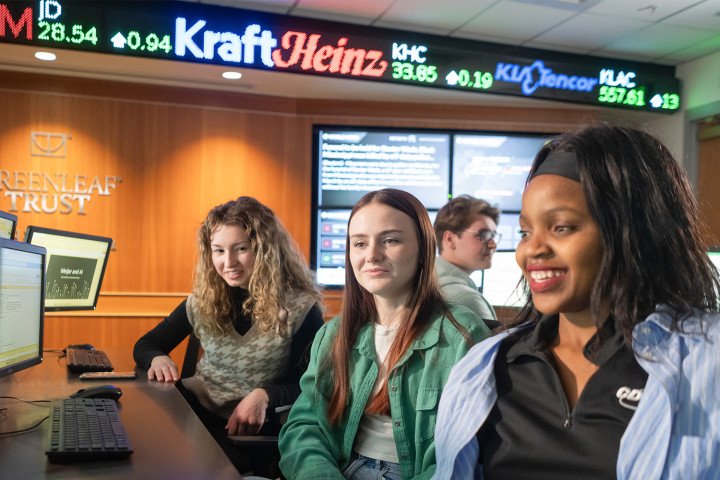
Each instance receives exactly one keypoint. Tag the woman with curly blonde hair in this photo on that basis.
(255, 310)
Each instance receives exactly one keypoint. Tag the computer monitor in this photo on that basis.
(21, 305)
(714, 254)
(433, 165)
(500, 282)
(8, 222)
(75, 267)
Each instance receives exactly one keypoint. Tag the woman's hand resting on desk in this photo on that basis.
(163, 369)
(249, 415)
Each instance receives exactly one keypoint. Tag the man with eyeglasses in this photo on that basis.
(466, 233)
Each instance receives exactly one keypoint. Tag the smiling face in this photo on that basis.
(561, 251)
(232, 255)
(466, 250)
(384, 251)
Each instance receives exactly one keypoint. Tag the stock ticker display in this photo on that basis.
(209, 34)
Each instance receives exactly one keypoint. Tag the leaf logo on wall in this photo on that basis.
(48, 145)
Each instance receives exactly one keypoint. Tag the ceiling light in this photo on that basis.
(232, 75)
(47, 56)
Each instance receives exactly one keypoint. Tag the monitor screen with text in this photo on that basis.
(433, 165)
(21, 305)
(75, 267)
(8, 221)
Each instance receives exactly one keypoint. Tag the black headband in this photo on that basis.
(559, 163)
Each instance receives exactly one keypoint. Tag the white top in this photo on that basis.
(375, 438)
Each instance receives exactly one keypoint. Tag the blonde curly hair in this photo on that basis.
(280, 270)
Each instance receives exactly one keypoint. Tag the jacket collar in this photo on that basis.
(600, 348)
(365, 342)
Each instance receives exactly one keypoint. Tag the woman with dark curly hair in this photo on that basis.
(611, 369)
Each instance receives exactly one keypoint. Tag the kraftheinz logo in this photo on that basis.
(25, 21)
(629, 397)
(229, 46)
(532, 77)
(303, 49)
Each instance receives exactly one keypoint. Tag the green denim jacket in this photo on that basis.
(312, 448)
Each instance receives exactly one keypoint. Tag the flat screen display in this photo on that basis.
(353, 163)
(714, 254)
(8, 221)
(21, 305)
(205, 34)
(433, 165)
(500, 282)
(494, 167)
(509, 228)
(75, 267)
(331, 235)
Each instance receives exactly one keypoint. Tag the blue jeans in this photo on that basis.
(364, 468)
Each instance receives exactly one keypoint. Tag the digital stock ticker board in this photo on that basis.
(209, 34)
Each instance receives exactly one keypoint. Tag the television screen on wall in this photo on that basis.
(433, 165)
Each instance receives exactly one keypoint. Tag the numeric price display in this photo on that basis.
(414, 73)
(59, 32)
(135, 41)
(633, 97)
(474, 80)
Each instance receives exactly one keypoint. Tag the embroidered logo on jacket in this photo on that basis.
(629, 397)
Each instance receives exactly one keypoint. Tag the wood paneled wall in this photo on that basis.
(177, 153)
(708, 191)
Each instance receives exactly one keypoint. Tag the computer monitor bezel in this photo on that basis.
(32, 229)
(35, 249)
(13, 219)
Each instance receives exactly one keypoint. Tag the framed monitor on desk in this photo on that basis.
(21, 305)
(8, 223)
(75, 267)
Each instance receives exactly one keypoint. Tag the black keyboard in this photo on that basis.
(80, 360)
(85, 429)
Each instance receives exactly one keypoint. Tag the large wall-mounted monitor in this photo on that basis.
(8, 222)
(714, 254)
(21, 305)
(509, 228)
(75, 267)
(500, 283)
(354, 162)
(433, 165)
(494, 167)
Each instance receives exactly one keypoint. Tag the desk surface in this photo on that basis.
(168, 440)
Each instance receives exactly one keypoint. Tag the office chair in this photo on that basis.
(192, 354)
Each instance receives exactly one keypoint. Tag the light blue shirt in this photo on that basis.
(674, 433)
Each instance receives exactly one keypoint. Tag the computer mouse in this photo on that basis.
(99, 391)
(81, 346)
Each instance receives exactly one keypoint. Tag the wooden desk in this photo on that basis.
(168, 440)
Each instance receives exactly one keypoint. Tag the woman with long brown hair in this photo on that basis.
(369, 397)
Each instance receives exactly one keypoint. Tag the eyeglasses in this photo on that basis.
(486, 235)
